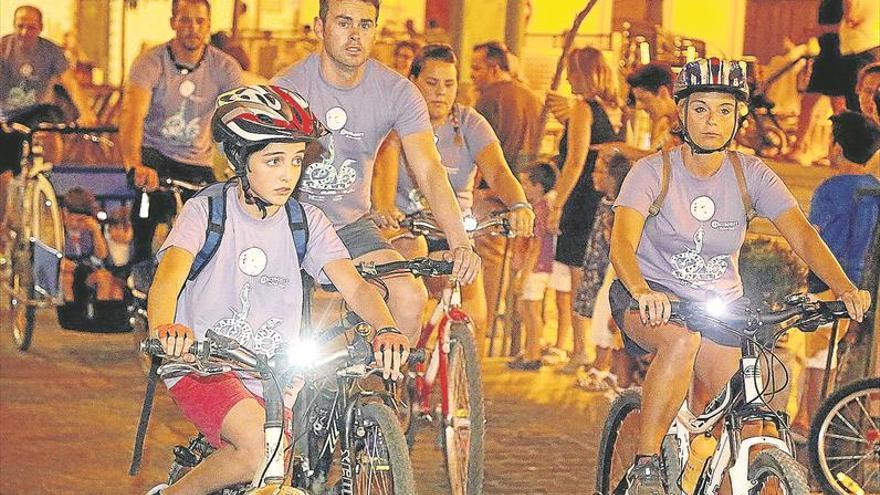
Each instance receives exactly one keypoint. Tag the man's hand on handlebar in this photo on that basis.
(176, 339)
(390, 349)
(857, 303)
(522, 221)
(466, 263)
(145, 178)
(388, 218)
(654, 307)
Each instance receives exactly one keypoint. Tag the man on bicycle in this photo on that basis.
(30, 67)
(680, 220)
(251, 289)
(361, 101)
(166, 109)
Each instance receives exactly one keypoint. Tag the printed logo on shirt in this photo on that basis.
(693, 269)
(252, 261)
(264, 340)
(323, 180)
(720, 225)
(274, 282)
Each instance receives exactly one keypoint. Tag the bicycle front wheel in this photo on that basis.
(775, 471)
(22, 314)
(464, 427)
(380, 454)
(619, 442)
(844, 443)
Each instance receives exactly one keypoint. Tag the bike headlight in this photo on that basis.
(716, 307)
(470, 223)
(304, 353)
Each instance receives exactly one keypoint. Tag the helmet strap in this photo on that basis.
(251, 198)
(699, 150)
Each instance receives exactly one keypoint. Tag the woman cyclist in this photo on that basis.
(467, 144)
(686, 246)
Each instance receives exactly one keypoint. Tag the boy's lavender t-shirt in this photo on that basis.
(692, 246)
(459, 160)
(359, 118)
(250, 290)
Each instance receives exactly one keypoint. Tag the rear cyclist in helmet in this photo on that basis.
(680, 221)
(251, 289)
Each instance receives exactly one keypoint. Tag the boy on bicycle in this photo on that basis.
(251, 288)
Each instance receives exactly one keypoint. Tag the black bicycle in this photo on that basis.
(743, 401)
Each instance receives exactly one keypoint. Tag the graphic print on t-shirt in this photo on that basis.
(20, 96)
(265, 340)
(690, 266)
(322, 180)
(176, 128)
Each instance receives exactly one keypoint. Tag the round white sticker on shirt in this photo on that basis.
(336, 118)
(703, 208)
(187, 88)
(26, 70)
(252, 261)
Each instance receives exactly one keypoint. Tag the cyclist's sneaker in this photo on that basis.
(525, 365)
(574, 364)
(645, 477)
(157, 490)
(553, 355)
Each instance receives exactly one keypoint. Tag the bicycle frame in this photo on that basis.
(741, 403)
(447, 311)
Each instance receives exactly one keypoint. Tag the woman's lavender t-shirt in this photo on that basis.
(459, 159)
(692, 246)
(250, 290)
(359, 119)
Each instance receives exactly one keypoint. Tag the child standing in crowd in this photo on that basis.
(591, 300)
(119, 237)
(536, 263)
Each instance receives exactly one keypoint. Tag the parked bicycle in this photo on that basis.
(742, 402)
(844, 443)
(30, 263)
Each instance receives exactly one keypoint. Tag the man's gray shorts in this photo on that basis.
(362, 237)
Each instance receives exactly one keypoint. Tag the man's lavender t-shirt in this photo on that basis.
(692, 246)
(178, 122)
(458, 159)
(25, 77)
(359, 119)
(250, 290)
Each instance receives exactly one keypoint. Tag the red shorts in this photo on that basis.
(206, 400)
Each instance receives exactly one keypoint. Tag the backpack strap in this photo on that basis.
(665, 172)
(749, 207)
(299, 227)
(216, 194)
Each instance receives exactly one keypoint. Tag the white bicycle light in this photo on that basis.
(716, 307)
(304, 353)
(470, 223)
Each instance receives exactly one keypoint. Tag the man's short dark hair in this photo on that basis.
(436, 51)
(496, 54)
(651, 77)
(175, 4)
(543, 173)
(324, 7)
(857, 135)
(32, 9)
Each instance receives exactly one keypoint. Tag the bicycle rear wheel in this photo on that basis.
(380, 454)
(775, 471)
(845, 439)
(466, 424)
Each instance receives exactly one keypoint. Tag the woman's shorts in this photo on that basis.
(206, 400)
(620, 299)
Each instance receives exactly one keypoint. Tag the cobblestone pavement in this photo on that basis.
(69, 408)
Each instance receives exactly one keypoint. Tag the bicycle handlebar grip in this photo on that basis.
(154, 347)
(838, 308)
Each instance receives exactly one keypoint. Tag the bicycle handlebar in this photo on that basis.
(811, 313)
(62, 128)
(421, 224)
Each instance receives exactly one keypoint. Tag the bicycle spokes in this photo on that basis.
(372, 465)
(851, 442)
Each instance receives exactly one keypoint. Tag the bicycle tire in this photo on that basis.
(22, 314)
(818, 443)
(627, 403)
(781, 465)
(465, 478)
(46, 223)
(390, 445)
